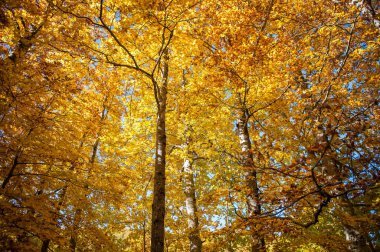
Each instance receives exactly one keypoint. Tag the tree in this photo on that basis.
(248, 125)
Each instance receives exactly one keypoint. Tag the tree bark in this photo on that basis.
(368, 8)
(74, 233)
(62, 196)
(11, 170)
(252, 197)
(356, 241)
(144, 235)
(15, 161)
(45, 245)
(78, 212)
(158, 206)
(191, 207)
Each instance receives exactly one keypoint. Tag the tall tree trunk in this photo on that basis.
(74, 233)
(62, 196)
(229, 240)
(356, 241)
(144, 235)
(252, 190)
(12, 169)
(15, 161)
(79, 211)
(189, 188)
(191, 207)
(46, 243)
(158, 206)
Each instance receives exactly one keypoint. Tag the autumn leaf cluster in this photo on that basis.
(271, 112)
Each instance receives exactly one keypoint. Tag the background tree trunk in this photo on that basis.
(191, 207)
(253, 199)
(356, 241)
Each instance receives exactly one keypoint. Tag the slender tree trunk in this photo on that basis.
(356, 241)
(144, 235)
(253, 199)
(15, 161)
(79, 211)
(229, 241)
(74, 234)
(158, 206)
(191, 207)
(145, 213)
(189, 189)
(11, 170)
(45, 245)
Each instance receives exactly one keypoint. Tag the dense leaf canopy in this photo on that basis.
(189, 125)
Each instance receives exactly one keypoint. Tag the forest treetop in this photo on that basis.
(189, 125)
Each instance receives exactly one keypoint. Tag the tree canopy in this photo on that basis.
(196, 125)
